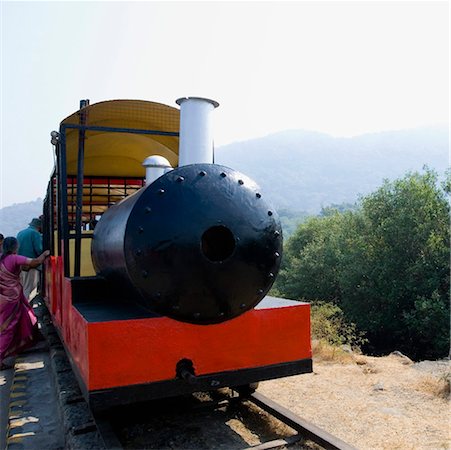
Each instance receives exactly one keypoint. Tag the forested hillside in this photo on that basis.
(16, 217)
(305, 171)
(302, 172)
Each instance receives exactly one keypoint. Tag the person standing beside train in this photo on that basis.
(30, 245)
(18, 323)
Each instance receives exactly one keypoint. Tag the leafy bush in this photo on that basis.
(330, 326)
(428, 322)
(386, 265)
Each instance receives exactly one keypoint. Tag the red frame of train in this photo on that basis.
(121, 355)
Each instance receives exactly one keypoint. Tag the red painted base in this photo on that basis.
(118, 353)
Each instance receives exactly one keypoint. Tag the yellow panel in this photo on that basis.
(55, 240)
(86, 267)
(122, 154)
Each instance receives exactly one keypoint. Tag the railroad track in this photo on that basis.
(155, 424)
(305, 429)
(222, 419)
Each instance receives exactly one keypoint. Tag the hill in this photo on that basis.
(16, 217)
(305, 171)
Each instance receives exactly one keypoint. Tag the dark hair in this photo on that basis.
(1, 237)
(10, 245)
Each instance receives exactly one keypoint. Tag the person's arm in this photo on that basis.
(35, 262)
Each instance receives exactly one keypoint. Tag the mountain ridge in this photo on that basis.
(306, 170)
(17, 216)
(303, 171)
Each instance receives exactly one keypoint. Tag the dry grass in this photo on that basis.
(373, 403)
(435, 386)
(325, 352)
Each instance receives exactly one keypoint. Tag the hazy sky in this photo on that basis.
(343, 68)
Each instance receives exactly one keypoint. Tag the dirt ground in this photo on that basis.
(373, 403)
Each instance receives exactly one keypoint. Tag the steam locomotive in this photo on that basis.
(161, 260)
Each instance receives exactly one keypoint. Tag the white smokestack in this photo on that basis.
(196, 134)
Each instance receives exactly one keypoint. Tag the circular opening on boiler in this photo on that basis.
(217, 243)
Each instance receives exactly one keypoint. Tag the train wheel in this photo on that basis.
(246, 389)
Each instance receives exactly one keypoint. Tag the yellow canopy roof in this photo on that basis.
(122, 154)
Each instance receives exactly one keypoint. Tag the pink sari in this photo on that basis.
(17, 319)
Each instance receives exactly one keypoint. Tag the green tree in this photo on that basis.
(386, 264)
(309, 266)
(407, 254)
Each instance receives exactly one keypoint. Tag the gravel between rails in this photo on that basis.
(177, 424)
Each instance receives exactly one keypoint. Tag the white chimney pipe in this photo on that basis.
(196, 134)
(156, 166)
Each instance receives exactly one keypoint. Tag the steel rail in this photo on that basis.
(305, 428)
(106, 431)
(277, 443)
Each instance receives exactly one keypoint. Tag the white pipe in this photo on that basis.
(196, 134)
(156, 166)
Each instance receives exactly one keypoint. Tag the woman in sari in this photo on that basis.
(18, 323)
